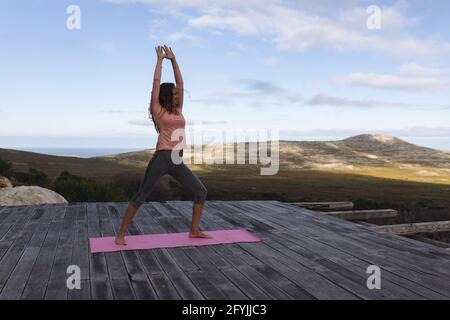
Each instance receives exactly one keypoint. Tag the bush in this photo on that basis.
(32, 177)
(6, 168)
(80, 189)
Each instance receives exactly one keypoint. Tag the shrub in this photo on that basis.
(80, 189)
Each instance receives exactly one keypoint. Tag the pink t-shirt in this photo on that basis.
(171, 126)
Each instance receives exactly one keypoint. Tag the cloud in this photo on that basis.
(295, 26)
(328, 100)
(418, 71)
(410, 77)
(252, 89)
(323, 99)
(258, 88)
(261, 87)
(181, 35)
(157, 25)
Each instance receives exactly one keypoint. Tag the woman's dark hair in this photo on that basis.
(165, 100)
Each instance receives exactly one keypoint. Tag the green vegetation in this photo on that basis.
(416, 201)
(79, 189)
(6, 168)
(73, 188)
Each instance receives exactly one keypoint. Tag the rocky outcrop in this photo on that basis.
(26, 195)
(5, 183)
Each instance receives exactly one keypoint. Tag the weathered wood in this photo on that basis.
(56, 286)
(398, 262)
(133, 264)
(98, 270)
(354, 215)
(267, 279)
(16, 282)
(430, 241)
(120, 281)
(37, 282)
(155, 268)
(414, 228)
(80, 254)
(303, 255)
(324, 206)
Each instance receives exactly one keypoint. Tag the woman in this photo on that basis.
(165, 108)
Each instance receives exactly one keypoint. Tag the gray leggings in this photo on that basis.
(160, 164)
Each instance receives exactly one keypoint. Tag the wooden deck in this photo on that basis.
(303, 255)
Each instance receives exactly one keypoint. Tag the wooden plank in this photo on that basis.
(16, 243)
(358, 247)
(164, 225)
(120, 281)
(324, 206)
(408, 248)
(135, 268)
(56, 288)
(274, 284)
(364, 214)
(397, 285)
(215, 214)
(80, 255)
(414, 228)
(206, 285)
(203, 256)
(40, 274)
(18, 220)
(385, 241)
(186, 264)
(4, 214)
(244, 262)
(167, 277)
(13, 288)
(392, 239)
(98, 271)
(334, 277)
(305, 232)
(430, 241)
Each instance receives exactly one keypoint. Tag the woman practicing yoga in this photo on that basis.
(165, 108)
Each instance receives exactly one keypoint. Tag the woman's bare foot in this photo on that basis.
(198, 234)
(120, 240)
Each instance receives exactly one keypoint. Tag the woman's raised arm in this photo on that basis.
(157, 78)
(177, 73)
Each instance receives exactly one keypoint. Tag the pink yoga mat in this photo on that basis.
(172, 240)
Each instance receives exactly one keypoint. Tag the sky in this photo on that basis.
(311, 69)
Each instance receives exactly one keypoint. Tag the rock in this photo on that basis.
(5, 183)
(29, 195)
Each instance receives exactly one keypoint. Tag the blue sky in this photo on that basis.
(311, 69)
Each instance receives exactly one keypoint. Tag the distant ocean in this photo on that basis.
(80, 152)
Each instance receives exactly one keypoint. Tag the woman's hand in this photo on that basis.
(169, 53)
(160, 53)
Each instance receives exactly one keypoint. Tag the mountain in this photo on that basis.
(52, 165)
(365, 151)
(374, 155)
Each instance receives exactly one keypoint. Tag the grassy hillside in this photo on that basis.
(373, 171)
